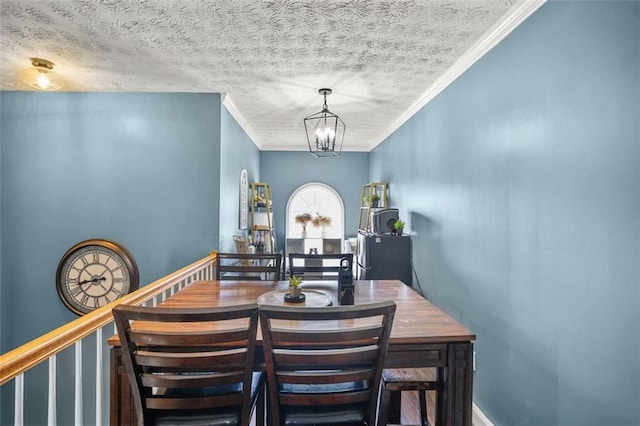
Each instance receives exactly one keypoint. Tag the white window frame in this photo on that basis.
(311, 232)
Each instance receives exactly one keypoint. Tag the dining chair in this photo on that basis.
(192, 366)
(421, 380)
(248, 266)
(324, 364)
(317, 266)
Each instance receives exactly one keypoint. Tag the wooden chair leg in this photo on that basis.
(260, 407)
(440, 399)
(423, 408)
(395, 402)
(383, 407)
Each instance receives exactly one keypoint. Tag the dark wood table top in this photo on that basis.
(417, 321)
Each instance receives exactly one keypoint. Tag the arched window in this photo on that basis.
(316, 199)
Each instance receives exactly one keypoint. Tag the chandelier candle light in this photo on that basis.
(325, 131)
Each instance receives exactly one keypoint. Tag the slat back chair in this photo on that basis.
(191, 365)
(324, 364)
(316, 266)
(246, 266)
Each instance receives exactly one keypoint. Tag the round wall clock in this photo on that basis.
(94, 273)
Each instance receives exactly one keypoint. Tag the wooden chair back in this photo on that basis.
(316, 266)
(325, 363)
(242, 244)
(189, 362)
(246, 266)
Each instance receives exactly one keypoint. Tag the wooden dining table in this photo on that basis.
(422, 335)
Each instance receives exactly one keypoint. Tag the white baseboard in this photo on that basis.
(479, 418)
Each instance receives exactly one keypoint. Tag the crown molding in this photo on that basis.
(235, 113)
(491, 38)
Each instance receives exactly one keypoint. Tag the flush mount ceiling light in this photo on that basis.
(325, 131)
(41, 76)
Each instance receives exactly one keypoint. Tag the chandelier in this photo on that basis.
(325, 131)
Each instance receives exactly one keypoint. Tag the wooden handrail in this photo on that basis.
(24, 357)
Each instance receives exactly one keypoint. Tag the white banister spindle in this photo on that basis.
(51, 403)
(78, 415)
(99, 377)
(18, 401)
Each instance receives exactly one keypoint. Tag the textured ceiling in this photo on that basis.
(268, 58)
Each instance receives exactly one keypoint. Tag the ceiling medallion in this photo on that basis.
(325, 131)
(41, 76)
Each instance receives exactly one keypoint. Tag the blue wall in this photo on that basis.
(238, 152)
(286, 171)
(141, 169)
(522, 180)
(520, 184)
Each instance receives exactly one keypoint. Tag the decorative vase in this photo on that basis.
(303, 234)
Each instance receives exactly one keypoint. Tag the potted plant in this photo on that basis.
(372, 199)
(398, 225)
(303, 219)
(294, 287)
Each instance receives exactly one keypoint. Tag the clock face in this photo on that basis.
(95, 273)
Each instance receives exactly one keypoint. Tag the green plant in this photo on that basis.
(371, 198)
(398, 224)
(295, 281)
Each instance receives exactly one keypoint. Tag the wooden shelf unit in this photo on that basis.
(367, 206)
(262, 225)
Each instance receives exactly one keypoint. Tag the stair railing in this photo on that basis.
(17, 362)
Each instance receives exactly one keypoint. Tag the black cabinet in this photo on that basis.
(384, 257)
